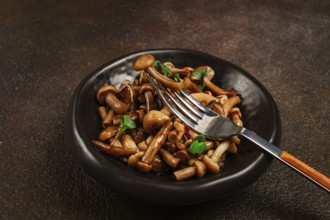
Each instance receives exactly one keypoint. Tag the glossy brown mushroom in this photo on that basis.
(113, 150)
(190, 86)
(235, 139)
(143, 62)
(102, 110)
(166, 110)
(212, 166)
(167, 82)
(143, 167)
(117, 105)
(158, 164)
(200, 168)
(230, 103)
(232, 148)
(104, 91)
(133, 159)
(185, 173)
(108, 133)
(154, 120)
(107, 121)
(142, 146)
(140, 136)
(169, 158)
(183, 155)
(203, 97)
(128, 142)
(211, 86)
(157, 142)
(217, 107)
(220, 150)
(237, 120)
(128, 95)
(148, 92)
(181, 71)
(217, 90)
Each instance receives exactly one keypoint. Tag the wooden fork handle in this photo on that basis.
(307, 170)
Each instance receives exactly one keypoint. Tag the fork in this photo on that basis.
(214, 126)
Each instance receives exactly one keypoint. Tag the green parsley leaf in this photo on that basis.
(155, 63)
(166, 70)
(199, 74)
(200, 138)
(128, 122)
(176, 77)
(198, 145)
(202, 86)
(125, 124)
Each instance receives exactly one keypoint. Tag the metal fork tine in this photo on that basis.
(169, 104)
(179, 105)
(198, 104)
(188, 105)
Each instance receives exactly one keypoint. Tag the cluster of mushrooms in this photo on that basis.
(159, 142)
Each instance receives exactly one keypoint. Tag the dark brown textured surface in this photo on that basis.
(47, 47)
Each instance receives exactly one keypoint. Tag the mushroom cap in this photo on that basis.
(108, 133)
(154, 120)
(103, 91)
(143, 62)
(146, 87)
(212, 166)
(128, 95)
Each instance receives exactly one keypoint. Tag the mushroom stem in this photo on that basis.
(217, 90)
(143, 167)
(102, 112)
(185, 173)
(167, 82)
(133, 159)
(200, 168)
(191, 86)
(166, 110)
(108, 133)
(118, 106)
(117, 151)
(230, 103)
(210, 164)
(222, 148)
(157, 142)
(171, 160)
(149, 100)
(203, 97)
(128, 142)
(107, 121)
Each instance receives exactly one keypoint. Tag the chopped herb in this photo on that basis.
(125, 124)
(202, 86)
(198, 145)
(165, 69)
(155, 63)
(176, 77)
(199, 74)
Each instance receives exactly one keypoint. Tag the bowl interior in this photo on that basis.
(259, 114)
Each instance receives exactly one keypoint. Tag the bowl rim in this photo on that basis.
(161, 193)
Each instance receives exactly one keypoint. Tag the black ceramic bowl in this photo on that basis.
(259, 111)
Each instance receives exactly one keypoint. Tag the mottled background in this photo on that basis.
(47, 47)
